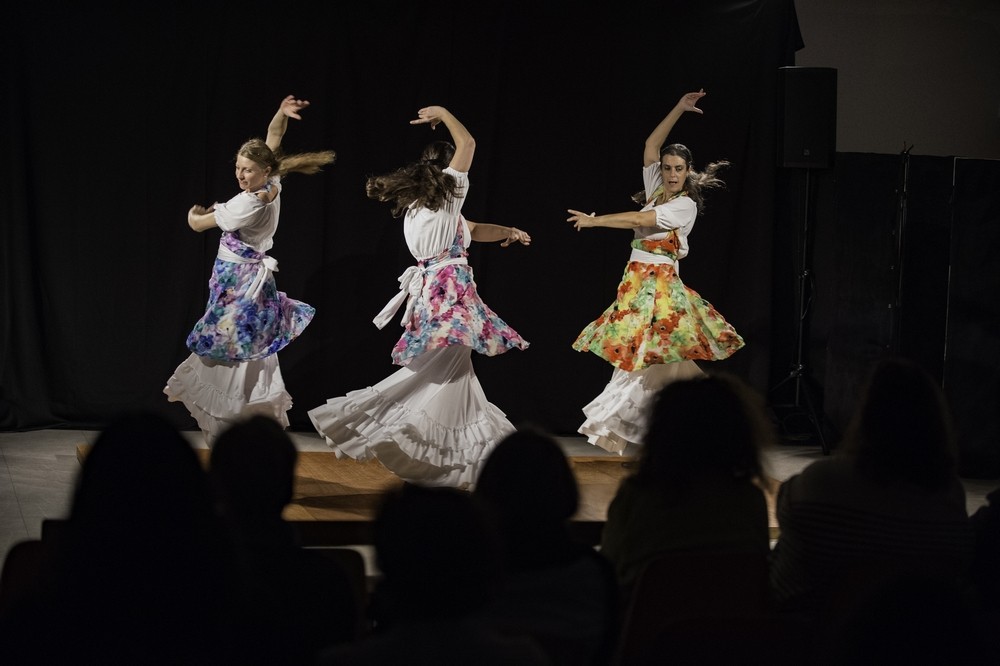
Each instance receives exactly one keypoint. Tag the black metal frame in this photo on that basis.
(798, 372)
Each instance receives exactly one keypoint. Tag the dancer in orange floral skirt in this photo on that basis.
(657, 327)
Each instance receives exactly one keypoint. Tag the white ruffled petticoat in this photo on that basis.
(217, 394)
(428, 423)
(618, 416)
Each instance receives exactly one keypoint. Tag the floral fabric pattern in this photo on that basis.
(450, 312)
(236, 327)
(656, 318)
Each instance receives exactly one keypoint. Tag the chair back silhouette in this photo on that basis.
(353, 564)
(21, 574)
(690, 585)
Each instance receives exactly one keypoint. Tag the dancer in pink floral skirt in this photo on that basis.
(430, 422)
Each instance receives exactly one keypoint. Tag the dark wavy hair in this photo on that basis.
(696, 182)
(422, 183)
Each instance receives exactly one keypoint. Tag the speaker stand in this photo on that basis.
(899, 231)
(798, 373)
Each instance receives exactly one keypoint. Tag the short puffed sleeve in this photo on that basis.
(245, 209)
(678, 213)
(651, 178)
(462, 179)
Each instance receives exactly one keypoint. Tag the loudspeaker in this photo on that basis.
(807, 117)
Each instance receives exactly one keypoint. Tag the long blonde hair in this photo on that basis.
(281, 165)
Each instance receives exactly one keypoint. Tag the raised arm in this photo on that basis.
(656, 139)
(465, 145)
(289, 108)
(490, 233)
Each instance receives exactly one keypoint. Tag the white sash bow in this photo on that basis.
(411, 282)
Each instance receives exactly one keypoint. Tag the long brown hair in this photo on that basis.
(422, 183)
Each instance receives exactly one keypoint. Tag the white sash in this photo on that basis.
(410, 284)
(268, 265)
(650, 258)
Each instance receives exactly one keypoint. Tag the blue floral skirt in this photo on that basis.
(238, 327)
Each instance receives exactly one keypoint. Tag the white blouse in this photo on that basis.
(679, 213)
(427, 232)
(256, 221)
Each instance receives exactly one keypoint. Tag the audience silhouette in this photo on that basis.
(440, 567)
(294, 601)
(140, 573)
(697, 485)
(889, 503)
(160, 562)
(557, 590)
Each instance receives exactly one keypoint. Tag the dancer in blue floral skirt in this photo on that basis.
(233, 367)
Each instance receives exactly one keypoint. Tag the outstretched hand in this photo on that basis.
(516, 235)
(291, 106)
(689, 101)
(580, 220)
(429, 114)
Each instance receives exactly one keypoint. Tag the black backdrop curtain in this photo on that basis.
(116, 123)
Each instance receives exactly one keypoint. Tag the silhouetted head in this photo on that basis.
(902, 429)
(438, 554)
(527, 478)
(141, 472)
(252, 467)
(142, 549)
(710, 427)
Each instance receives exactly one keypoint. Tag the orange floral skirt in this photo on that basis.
(656, 318)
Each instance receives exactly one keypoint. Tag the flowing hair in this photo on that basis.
(422, 183)
(280, 164)
(696, 182)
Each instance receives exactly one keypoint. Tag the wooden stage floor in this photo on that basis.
(335, 500)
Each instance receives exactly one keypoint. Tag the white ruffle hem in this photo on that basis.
(618, 416)
(428, 423)
(218, 394)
